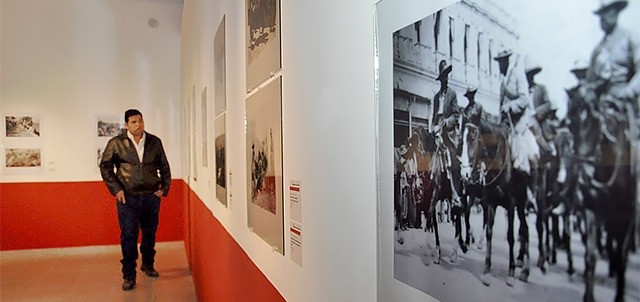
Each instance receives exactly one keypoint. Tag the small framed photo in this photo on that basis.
(22, 126)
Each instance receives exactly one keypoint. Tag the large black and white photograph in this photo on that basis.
(221, 159)
(22, 126)
(264, 163)
(219, 69)
(515, 146)
(22, 157)
(205, 129)
(194, 150)
(262, 30)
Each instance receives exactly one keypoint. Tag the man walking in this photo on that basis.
(141, 177)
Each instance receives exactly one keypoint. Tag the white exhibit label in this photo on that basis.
(295, 225)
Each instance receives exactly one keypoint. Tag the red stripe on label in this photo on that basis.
(297, 189)
(295, 231)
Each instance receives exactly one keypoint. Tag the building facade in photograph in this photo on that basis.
(468, 35)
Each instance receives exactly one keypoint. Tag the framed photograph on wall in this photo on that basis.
(22, 126)
(263, 47)
(205, 129)
(264, 164)
(219, 69)
(109, 126)
(221, 159)
(23, 157)
(194, 150)
(470, 196)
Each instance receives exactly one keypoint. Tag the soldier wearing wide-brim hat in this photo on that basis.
(514, 105)
(503, 54)
(543, 111)
(532, 70)
(471, 92)
(445, 103)
(514, 90)
(606, 5)
(538, 92)
(614, 60)
(446, 113)
(444, 68)
(579, 69)
(473, 111)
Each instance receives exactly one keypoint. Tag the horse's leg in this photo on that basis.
(566, 239)
(547, 240)
(411, 214)
(458, 223)
(438, 255)
(613, 262)
(511, 240)
(542, 226)
(524, 243)
(456, 192)
(483, 233)
(467, 212)
(590, 254)
(455, 212)
(621, 276)
(555, 225)
(623, 246)
(490, 213)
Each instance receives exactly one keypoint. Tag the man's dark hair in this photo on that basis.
(129, 113)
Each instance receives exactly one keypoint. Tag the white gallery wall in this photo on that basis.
(328, 140)
(69, 62)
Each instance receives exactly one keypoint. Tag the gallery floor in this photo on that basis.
(91, 274)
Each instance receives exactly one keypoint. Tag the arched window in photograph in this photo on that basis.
(451, 36)
(467, 28)
(479, 54)
(490, 56)
(436, 29)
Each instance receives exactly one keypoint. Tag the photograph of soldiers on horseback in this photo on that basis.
(502, 157)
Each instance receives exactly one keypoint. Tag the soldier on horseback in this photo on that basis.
(446, 116)
(612, 90)
(515, 110)
(446, 165)
(516, 115)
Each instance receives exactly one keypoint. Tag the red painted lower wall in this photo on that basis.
(221, 270)
(68, 214)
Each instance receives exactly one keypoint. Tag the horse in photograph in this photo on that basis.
(489, 177)
(606, 182)
(561, 188)
(548, 187)
(446, 187)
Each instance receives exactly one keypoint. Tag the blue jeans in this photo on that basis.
(140, 212)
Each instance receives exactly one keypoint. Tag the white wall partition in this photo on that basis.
(69, 62)
(328, 140)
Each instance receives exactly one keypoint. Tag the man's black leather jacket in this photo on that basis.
(132, 176)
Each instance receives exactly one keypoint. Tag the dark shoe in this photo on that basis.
(149, 271)
(128, 284)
